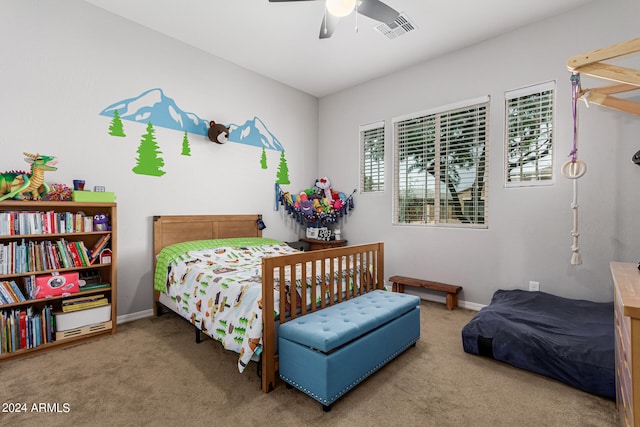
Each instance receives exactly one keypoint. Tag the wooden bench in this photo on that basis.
(399, 282)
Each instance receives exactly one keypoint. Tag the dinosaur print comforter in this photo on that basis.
(217, 285)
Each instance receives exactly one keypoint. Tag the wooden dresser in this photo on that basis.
(626, 279)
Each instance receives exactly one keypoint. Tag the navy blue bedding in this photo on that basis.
(568, 340)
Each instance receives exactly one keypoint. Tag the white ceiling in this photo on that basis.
(280, 40)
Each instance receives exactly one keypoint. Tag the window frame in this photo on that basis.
(480, 103)
(380, 175)
(539, 88)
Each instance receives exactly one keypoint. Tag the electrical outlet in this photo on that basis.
(534, 286)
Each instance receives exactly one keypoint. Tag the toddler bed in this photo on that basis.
(236, 287)
(568, 340)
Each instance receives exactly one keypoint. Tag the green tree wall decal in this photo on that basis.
(263, 159)
(186, 149)
(148, 161)
(116, 129)
(283, 171)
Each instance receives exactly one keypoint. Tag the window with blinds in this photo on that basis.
(441, 164)
(529, 133)
(372, 157)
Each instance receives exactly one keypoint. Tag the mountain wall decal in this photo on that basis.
(254, 132)
(153, 106)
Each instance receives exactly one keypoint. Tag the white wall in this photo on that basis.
(63, 62)
(529, 228)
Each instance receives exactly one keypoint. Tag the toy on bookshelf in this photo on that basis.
(59, 192)
(105, 256)
(57, 284)
(21, 184)
(89, 277)
(101, 222)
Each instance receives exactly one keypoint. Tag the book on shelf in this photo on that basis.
(82, 250)
(85, 305)
(40, 222)
(6, 294)
(23, 328)
(75, 256)
(26, 328)
(63, 253)
(94, 254)
(95, 286)
(30, 286)
(16, 290)
(82, 299)
(84, 302)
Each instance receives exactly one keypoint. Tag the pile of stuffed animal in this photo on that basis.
(319, 204)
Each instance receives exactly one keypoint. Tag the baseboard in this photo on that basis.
(471, 305)
(134, 316)
(461, 303)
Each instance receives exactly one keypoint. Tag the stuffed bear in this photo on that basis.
(218, 133)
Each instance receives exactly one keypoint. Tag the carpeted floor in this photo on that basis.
(153, 373)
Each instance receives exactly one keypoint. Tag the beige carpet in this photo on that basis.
(153, 373)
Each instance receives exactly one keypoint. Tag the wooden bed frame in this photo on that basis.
(368, 259)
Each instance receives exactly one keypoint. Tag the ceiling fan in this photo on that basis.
(336, 9)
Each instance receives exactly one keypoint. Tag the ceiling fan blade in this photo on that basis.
(377, 10)
(329, 24)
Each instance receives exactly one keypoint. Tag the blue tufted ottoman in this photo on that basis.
(328, 352)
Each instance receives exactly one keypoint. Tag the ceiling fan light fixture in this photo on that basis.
(340, 8)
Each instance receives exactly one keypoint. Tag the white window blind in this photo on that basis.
(441, 165)
(372, 157)
(529, 133)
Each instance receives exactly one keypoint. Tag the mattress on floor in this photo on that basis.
(568, 340)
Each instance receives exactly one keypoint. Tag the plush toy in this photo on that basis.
(327, 204)
(31, 184)
(218, 133)
(101, 222)
(306, 207)
(325, 185)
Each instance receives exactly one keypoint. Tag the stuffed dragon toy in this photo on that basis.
(18, 184)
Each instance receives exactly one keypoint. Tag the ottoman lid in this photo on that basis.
(334, 326)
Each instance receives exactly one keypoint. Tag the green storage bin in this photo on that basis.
(93, 196)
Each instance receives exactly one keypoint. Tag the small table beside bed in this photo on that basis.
(219, 273)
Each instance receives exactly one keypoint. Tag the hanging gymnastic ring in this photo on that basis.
(573, 169)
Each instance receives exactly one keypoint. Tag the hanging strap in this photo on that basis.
(574, 169)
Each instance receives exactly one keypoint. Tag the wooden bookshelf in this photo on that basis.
(28, 270)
